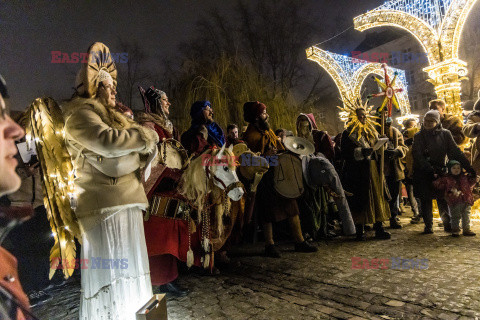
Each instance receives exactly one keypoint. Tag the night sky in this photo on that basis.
(31, 30)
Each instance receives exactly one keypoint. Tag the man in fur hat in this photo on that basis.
(204, 132)
(269, 204)
(449, 121)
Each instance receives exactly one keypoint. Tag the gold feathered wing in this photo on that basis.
(45, 126)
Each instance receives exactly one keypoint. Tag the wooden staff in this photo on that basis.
(382, 153)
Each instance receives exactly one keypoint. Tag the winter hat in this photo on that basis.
(252, 110)
(197, 109)
(451, 163)
(432, 115)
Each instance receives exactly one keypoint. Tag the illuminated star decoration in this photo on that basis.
(388, 92)
(349, 114)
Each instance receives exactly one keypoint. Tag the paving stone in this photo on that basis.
(323, 285)
(395, 303)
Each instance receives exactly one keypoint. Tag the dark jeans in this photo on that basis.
(411, 197)
(427, 213)
(394, 189)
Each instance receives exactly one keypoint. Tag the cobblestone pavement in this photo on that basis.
(323, 285)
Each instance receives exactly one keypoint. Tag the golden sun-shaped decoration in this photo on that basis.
(349, 114)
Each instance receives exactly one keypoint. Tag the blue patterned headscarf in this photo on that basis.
(215, 133)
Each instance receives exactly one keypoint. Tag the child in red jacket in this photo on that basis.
(457, 188)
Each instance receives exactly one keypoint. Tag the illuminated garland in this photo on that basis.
(437, 25)
(349, 75)
(45, 129)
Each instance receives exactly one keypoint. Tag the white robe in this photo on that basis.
(115, 289)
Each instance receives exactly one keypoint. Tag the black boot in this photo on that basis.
(380, 232)
(394, 224)
(360, 232)
(272, 251)
(173, 289)
(305, 247)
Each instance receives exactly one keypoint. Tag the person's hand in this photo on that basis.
(366, 152)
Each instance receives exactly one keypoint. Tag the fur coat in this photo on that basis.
(98, 139)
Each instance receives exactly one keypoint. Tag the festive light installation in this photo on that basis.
(388, 91)
(437, 25)
(349, 75)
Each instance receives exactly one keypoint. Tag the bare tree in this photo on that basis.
(132, 73)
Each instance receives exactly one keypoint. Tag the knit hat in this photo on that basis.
(252, 110)
(432, 115)
(451, 163)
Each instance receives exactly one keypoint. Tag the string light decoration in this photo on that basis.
(45, 129)
(349, 75)
(388, 91)
(437, 25)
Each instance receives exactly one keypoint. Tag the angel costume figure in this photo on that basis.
(108, 149)
(361, 174)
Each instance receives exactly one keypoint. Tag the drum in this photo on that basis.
(172, 154)
(288, 176)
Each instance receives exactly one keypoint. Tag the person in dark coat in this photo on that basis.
(14, 304)
(270, 206)
(361, 177)
(394, 169)
(204, 132)
(449, 122)
(431, 147)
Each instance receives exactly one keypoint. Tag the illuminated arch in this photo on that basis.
(438, 25)
(349, 75)
(452, 26)
(424, 33)
(333, 67)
